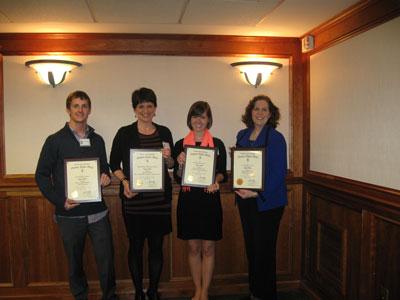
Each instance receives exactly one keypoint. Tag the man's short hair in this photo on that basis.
(77, 94)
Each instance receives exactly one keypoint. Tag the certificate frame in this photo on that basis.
(259, 164)
(190, 151)
(90, 166)
(134, 177)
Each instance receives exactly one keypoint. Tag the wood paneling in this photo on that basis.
(351, 243)
(230, 257)
(121, 244)
(289, 236)
(34, 264)
(179, 269)
(2, 137)
(331, 254)
(334, 246)
(5, 244)
(18, 238)
(42, 244)
(154, 44)
(355, 20)
(387, 261)
(297, 114)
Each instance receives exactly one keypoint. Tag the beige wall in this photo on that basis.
(355, 107)
(34, 110)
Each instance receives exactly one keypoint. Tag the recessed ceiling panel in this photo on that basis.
(227, 12)
(298, 17)
(26, 11)
(137, 12)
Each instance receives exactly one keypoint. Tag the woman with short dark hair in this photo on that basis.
(199, 211)
(261, 212)
(146, 215)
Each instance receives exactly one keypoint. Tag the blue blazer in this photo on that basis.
(275, 192)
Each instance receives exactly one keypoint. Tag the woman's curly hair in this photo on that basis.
(274, 111)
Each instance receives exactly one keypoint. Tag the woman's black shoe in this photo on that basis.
(153, 295)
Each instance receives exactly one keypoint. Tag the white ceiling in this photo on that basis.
(231, 17)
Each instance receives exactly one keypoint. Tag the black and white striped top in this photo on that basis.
(151, 203)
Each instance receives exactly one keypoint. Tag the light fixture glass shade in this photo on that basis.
(256, 72)
(52, 71)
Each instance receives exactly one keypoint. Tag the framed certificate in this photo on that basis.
(147, 170)
(248, 169)
(199, 168)
(82, 179)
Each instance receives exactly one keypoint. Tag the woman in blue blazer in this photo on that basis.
(261, 212)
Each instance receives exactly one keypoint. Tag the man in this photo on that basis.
(76, 220)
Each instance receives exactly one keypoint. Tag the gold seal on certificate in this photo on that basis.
(239, 181)
(82, 179)
(147, 170)
(248, 168)
(199, 168)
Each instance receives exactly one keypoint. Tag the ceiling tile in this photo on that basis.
(231, 17)
(299, 17)
(137, 12)
(25, 11)
(227, 12)
(3, 18)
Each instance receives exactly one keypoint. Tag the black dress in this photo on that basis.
(147, 214)
(199, 214)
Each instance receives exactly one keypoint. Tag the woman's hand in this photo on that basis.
(166, 153)
(70, 204)
(212, 188)
(246, 194)
(181, 161)
(105, 180)
(215, 187)
(181, 158)
(127, 190)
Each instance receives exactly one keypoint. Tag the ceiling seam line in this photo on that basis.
(91, 11)
(5, 16)
(280, 2)
(183, 11)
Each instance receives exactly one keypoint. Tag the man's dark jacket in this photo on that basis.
(50, 169)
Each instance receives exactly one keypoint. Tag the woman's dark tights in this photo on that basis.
(155, 260)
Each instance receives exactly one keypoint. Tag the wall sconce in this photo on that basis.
(256, 72)
(52, 71)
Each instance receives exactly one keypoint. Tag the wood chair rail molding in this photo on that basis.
(373, 197)
(25, 185)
